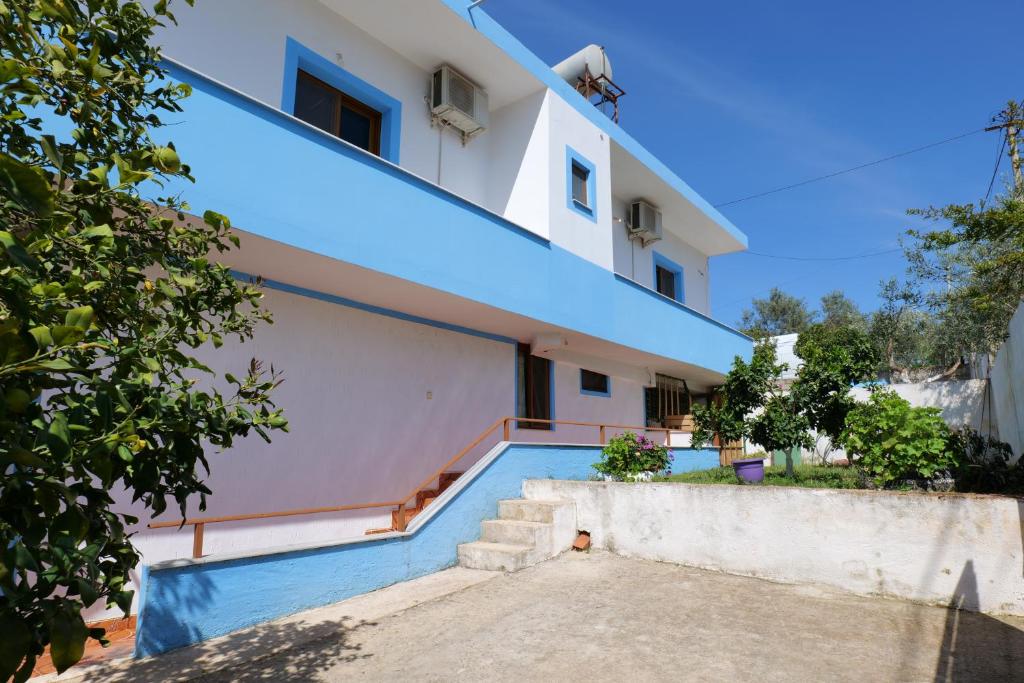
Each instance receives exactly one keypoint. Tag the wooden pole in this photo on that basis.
(197, 539)
(401, 522)
(1012, 120)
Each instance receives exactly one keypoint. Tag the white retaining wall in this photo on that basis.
(934, 548)
(964, 403)
(1007, 378)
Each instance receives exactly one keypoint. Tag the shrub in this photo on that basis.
(984, 464)
(629, 457)
(894, 441)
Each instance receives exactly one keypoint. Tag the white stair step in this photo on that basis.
(504, 557)
(531, 510)
(515, 532)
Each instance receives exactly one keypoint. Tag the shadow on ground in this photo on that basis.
(976, 647)
(324, 645)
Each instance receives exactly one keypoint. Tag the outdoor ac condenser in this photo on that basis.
(644, 222)
(457, 101)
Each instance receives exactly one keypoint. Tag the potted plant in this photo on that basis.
(632, 457)
(750, 469)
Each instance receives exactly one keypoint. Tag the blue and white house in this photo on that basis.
(450, 233)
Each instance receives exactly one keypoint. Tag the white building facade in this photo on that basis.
(424, 285)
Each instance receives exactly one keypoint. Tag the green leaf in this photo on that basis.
(49, 145)
(64, 335)
(15, 251)
(44, 339)
(17, 400)
(58, 436)
(97, 231)
(80, 317)
(27, 186)
(14, 646)
(21, 456)
(67, 638)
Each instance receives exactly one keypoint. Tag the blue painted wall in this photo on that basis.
(184, 605)
(690, 459)
(281, 179)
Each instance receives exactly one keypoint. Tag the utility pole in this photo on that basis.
(1012, 120)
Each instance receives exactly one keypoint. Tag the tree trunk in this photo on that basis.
(789, 463)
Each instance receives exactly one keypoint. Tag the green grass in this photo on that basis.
(807, 476)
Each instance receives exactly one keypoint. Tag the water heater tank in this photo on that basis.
(592, 57)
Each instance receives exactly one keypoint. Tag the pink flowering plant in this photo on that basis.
(630, 457)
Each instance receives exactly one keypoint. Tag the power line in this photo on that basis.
(995, 171)
(822, 258)
(854, 168)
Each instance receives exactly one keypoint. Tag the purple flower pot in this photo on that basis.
(749, 471)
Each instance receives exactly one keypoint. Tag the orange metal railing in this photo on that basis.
(198, 524)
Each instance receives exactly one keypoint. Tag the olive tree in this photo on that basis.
(106, 291)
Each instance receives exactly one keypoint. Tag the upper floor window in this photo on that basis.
(331, 110)
(668, 278)
(580, 184)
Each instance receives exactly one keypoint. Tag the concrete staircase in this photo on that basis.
(525, 533)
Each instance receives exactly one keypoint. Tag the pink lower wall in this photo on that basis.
(362, 428)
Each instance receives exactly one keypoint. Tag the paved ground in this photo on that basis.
(598, 616)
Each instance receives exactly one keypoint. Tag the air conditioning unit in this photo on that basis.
(644, 222)
(458, 102)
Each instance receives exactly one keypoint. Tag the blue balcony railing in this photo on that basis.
(279, 178)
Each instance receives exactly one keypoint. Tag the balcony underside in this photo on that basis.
(311, 274)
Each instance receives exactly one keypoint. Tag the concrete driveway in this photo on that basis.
(598, 616)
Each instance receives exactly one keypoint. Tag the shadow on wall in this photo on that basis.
(175, 624)
(240, 655)
(976, 647)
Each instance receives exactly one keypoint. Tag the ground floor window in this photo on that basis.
(594, 383)
(534, 397)
(669, 397)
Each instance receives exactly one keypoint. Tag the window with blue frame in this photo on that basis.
(594, 383)
(668, 278)
(321, 93)
(580, 184)
(339, 114)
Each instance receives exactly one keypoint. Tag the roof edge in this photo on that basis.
(514, 48)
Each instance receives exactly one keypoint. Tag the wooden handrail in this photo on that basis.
(264, 515)
(198, 524)
(458, 456)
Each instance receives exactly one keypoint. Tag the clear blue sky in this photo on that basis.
(741, 97)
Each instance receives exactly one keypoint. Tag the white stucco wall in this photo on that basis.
(927, 547)
(569, 229)
(242, 43)
(519, 182)
(1007, 377)
(964, 403)
(637, 262)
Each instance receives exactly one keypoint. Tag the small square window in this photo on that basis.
(580, 185)
(594, 383)
(580, 176)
